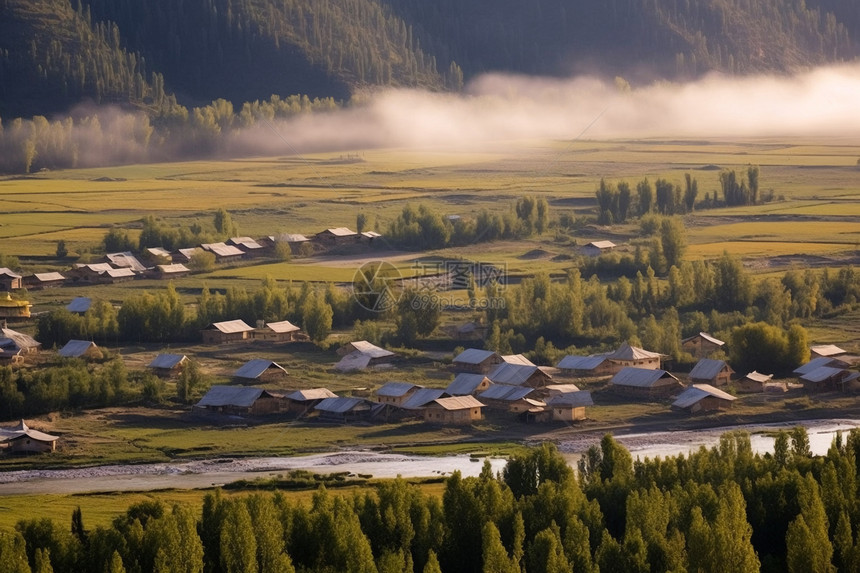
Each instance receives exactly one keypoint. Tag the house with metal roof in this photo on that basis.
(465, 383)
(596, 248)
(360, 355)
(702, 345)
(703, 398)
(476, 361)
(823, 378)
(223, 252)
(80, 349)
(239, 401)
(227, 331)
(38, 281)
(282, 331)
(507, 398)
(422, 397)
(79, 305)
(369, 236)
(170, 271)
(9, 280)
(337, 236)
(569, 406)
(247, 245)
(303, 401)
(23, 439)
(157, 254)
(826, 350)
(125, 260)
(713, 372)
(519, 375)
(261, 370)
(395, 393)
(517, 359)
(626, 355)
(757, 382)
(645, 383)
(26, 343)
(344, 409)
(594, 365)
(167, 365)
(818, 363)
(459, 410)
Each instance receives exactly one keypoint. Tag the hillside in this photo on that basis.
(56, 53)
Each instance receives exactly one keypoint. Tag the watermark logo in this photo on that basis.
(377, 286)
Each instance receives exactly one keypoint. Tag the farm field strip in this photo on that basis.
(764, 249)
(763, 230)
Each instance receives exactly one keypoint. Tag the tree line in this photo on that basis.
(723, 509)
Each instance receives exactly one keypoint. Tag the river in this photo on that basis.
(208, 473)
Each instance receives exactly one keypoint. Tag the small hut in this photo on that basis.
(713, 372)
(23, 439)
(754, 382)
(395, 393)
(702, 345)
(283, 331)
(476, 361)
(167, 365)
(239, 401)
(703, 398)
(260, 370)
(465, 384)
(570, 406)
(459, 410)
(227, 331)
(645, 383)
(81, 349)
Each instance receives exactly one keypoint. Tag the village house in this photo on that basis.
(823, 378)
(293, 240)
(79, 305)
(336, 236)
(344, 409)
(239, 401)
(597, 248)
(703, 398)
(100, 273)
(9, 280)
(303, 401)
(260, 370)
(502, 396)
(158, 255)
(125, 260)
(227, 331)
(247, 245)
(713, 372)
(551, 390)
(167, 365)
(223, 252)
(460, 410)
(702, 345)
(185, 255)
(469, 331)
(23, 439)
(645, 383)
(81, 349)
(421, 397)
(594, 365)
(15, 346)
(465, 384)
(283, 331)
(476, 361)
(627, 355)
(826, 351)
(169, 271)
(756, 382)
(10, 308)
(519, 375)
(360, 355)
(39, 281)
(395, 393)
(816, 363)
(570, 406)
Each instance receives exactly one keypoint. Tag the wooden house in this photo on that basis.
(631, 356)
(702, 345)
(283, 331)
(293, 240)
(167, 365)
(157, 255)
(703, 398)
(260, 370)
(85, 349)
(816, 363)
(39, 281)
(23, 439)
(519, 375)
(594, 365)
(336, 236)
(170, 271)
(247, 245)
(713, 372)
(360, 355)
(9, 280)
(343, 409)
(597, 248)
(502, 396)
(239, 401)
(25, 342)
(227, 331)
(223, 252)
(570, 406)
(823, 378)
(125, 260)
(11, 308)
(465, 384)
(395, 393)
(459, 410)
(754, 382)
(303, 401)
(645, 383)
(476, 361)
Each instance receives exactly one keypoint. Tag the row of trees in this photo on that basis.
(723, 510)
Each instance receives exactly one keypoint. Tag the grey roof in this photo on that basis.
(601, 244)
(707, 369)
(21, 340)
(474, 356)
(561, 388)
(173, 268)
(166, 361)
(421, 398)
(47, 277)
(311, 394)
(707, 337)
(516, 374)
(94, 267)
(342, 405)
(246, 242)
(640, 377)
(120, 273)
(821, 374)
(189, 252)
(353, 361)
(506, 392)
(370, 235)
(464, 383)
(696, 392)
(255, 368)
(368, 349)
(340, 232)
(575, 399)
(627, 352)
(458, 402)
(292, 238)
(572, 362)
(22, 430)
(282, 326)
(517, 359)
(222, 249)
(239, 396)
(79, 304)
(230, 326)
(9, 273)
(125, 260)
(158, 252)
(75, 348)
(818, 363)
(396, 389)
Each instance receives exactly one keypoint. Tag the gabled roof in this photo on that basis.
(48, 277)
(627, 352)
(821, 374)
(238, 396)
(572, 362)
(21, 429)
(342, 405)
(230, 326)
(573, 399)
(474, 356)
(158, 252)
(561, 388)
(601, 244)
(705, 336)
(21, 340)
(222, 249)
(189, 252)
(9, 273)
(255, 368)
(75, 348)
(458, 403)
(818, 363)
(126, 260)
(396, 389)
(353, 361)
(827, 350)
(339, 232)
(421, 398)
(245, 242)
(465, 383)
(757, 377)
(707, 369)
(173, 268)
(120, 273)
(698, 391)
(640, 377)
(97, 268)
(517, 359)
(506, 392)
(282, 326)
(366, 348)
(370, 235)
(167, 361)
(291, 238)
(311, 394)
(515, 374)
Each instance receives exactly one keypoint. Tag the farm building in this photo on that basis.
(9, 280)
(818, 363)
(38, 281)
(714, 372)
(227, 331)
(81, 349)
(185, 255)
(79, 305)
(465, 384)
(395, 393)
(260, 370)
(223, 252)
(247, 245)
(25, 342)
(421, 398)
(502, 396)
(283, 331)
(10, 308)
(167, 365)
(627, 355)
(157, 254)
(517, 359)
(344, 409)
(594, 365)
(100, 273)
(23, 439)
(125, 260)
(570, 406)
(551, 390)
(238, 401)
(476, 361)
(336, 236)
(171, 271)
(645, 383)
(703, 398)
(519, 375)
(596, 248)
(826, 350)
(702, 345)
(754, 382)
(293, 240)
(361, 354)
(302, 401)
(454, 410)
(469, 331)
(823, 378)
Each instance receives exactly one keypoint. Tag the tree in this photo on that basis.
(760, 346)
(495, 556)
(223, 223)
(188, 383)
(238, 543)
(202, 261)
(317, 317)
(807, 539)
(62, 252)
(673, 240)
(361, 222)
(419, 312)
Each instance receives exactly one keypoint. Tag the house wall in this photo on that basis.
(9, 283)
(658, 391)
(482, 368)
(710, 404)
(746, 385)
(568, 414)
(25, 444)
(393, 400)
(215, 336)
(699, 347)
(440, 415)
(615, 366)
(271, 336)
(720, 379)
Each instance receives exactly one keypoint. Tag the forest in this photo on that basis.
(724, 509)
